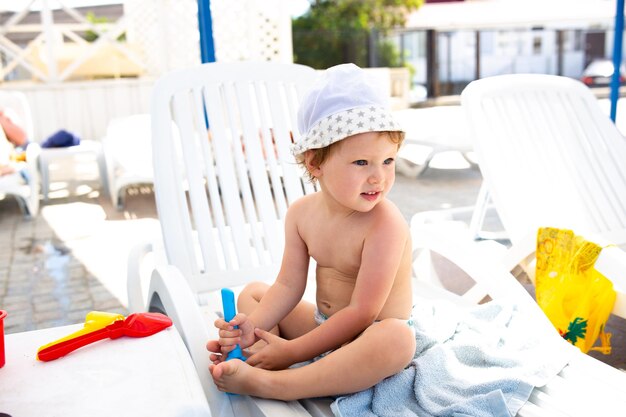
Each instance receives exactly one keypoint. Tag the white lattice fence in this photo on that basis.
(59, 53)
(252, 30)
(167, 32)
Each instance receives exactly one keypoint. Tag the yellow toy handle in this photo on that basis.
(95, 320)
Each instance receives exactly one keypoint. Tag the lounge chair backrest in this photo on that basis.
(224, 174)
(548, 154)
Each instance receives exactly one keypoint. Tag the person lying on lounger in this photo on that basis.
(11, 125)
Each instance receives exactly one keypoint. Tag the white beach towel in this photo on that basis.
(481, 361)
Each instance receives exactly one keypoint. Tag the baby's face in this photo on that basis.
(360, 170)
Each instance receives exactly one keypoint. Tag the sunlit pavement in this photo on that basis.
(70, 259)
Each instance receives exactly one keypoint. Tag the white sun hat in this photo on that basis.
(345, 101)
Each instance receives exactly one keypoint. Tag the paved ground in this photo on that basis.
(71, 259)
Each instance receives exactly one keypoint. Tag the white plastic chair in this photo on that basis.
(128, 153)
(224, 176)
(39, 172)
(534, 136)
(87, 150)
(549, 156)
(26, 192)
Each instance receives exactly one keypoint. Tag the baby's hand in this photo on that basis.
(216, 356)
(275, 355)
(229, 336)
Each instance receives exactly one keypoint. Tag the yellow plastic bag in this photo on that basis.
(576, 298)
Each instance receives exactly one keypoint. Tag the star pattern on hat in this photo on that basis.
(340, 125)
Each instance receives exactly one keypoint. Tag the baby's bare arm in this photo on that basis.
(287, 290)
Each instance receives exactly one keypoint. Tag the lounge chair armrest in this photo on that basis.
(442, 218)
(137, 301)
(33, 150)
(170, 294)
(480, 260)
(522, 254)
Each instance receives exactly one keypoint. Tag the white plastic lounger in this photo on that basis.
(549, 156)
(128, 154)
(222, 193)
(223, 180)
(24, 188)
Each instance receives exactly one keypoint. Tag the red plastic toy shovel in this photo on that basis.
(135, 325)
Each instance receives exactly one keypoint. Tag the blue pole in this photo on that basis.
(617, 57)
(205, 26)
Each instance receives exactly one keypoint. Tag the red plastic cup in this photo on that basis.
(3, 314)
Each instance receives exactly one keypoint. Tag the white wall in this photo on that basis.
(84, 107)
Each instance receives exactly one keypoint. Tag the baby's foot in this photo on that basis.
(238, 377)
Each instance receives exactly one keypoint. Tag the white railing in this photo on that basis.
(50, 58)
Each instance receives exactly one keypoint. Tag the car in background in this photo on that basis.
(598, 73)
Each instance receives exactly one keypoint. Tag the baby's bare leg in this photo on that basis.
(297, 323)
(384, 349)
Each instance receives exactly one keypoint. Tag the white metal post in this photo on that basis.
(48, 28)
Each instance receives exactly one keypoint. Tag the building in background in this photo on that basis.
(447, 43)
(450, 43)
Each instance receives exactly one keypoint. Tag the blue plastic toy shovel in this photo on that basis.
(228, 304)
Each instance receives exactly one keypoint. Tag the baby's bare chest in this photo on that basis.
(337, 246)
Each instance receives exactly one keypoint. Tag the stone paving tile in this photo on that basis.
(41, 283)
